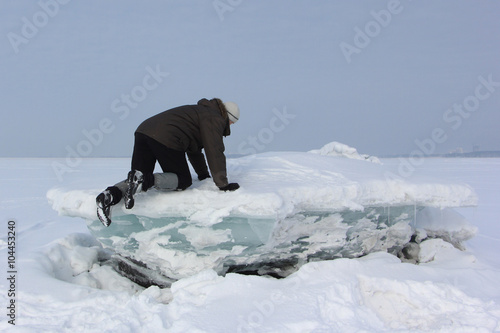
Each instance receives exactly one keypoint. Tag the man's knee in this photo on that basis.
(148, 182)
(167, 181)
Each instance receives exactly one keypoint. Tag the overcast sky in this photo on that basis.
(386, 77)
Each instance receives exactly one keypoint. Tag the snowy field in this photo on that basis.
(59, 286)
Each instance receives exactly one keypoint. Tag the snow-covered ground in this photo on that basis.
(61, 287)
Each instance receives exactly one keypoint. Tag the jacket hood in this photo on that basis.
(217, 104)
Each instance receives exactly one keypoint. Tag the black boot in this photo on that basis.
(107, 198)
(135, 179)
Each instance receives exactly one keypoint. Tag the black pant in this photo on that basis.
(147, 151)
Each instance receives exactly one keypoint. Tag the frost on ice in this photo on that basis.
(292, 208)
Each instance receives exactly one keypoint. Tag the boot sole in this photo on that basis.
(104, 215)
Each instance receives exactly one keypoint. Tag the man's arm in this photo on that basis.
(211, 136)
(199, 164)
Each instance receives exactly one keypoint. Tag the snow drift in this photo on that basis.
(291, 208)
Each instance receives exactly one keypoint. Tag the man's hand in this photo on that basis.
(230, 187)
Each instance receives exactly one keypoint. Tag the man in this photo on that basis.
(167, 137)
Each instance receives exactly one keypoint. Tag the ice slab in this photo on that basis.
(278, 185)
(291, 208)
(178, 248)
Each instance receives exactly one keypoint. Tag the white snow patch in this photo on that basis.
(201, 238)
(446, 224)
(342, 150)
(423, 306)
(75, 259)
(277, 185)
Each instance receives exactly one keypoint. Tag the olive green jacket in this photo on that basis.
(191, 128)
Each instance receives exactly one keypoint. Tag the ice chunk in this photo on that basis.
(179, 248)
(342, 150)
(291, 208)
(446, 224)
(279, 185)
